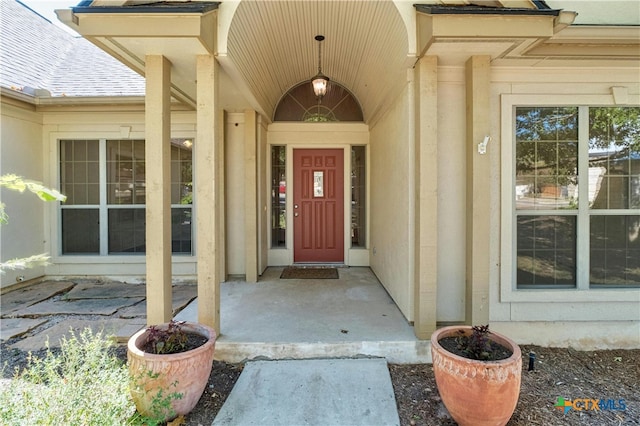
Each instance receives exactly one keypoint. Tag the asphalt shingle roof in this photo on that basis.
(37, 54)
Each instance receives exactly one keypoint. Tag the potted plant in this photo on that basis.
(477, 373)
(169, 367)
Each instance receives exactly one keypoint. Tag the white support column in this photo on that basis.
(426, 217)
(478, 69)
(158, 188)
(250, 197)
(207, 193)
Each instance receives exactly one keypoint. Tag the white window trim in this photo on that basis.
(508, 290)
(53, 220)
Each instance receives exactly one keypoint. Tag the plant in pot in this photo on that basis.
(169, 367)
(477, 373)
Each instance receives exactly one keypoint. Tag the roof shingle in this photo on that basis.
(35, 53)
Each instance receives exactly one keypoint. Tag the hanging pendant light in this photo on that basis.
(320, 81)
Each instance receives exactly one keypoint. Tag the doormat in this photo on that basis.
(299, 273)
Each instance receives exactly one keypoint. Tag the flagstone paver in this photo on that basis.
(105, 290)
(14, 327)
(19, 299)
(182, 296)
(78, 307)
(109, 326)
(27, 311)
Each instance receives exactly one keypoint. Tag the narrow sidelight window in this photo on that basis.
(358, 197)
(278, 196)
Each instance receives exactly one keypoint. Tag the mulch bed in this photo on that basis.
(559, 372)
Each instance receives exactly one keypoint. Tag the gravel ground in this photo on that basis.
(558, 372)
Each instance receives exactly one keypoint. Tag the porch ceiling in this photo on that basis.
(367, 48)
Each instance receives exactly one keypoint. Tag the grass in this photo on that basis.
(82, 384)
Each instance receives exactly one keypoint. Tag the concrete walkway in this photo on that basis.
(312, 392)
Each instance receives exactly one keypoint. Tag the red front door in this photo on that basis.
(318, 205)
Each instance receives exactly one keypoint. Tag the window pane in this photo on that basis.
(181, 171)
(546, 251)
(80, 231)
(125, 172)
(278, 196)
(79, 171)
(614, 158)
(615, 250)
(300, 104)
(181, 230)
(546, 158)
(126, 230)
(358, 193)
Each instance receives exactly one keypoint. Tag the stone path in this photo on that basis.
(45, 312)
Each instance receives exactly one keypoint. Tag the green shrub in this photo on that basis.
(82, 384)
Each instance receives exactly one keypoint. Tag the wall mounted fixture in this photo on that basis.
(482, 146)
(320, 81)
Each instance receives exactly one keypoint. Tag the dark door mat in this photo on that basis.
(319, 273)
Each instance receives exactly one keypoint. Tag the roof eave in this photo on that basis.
(483, 10)
(192, 7)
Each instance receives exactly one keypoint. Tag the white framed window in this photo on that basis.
(571, 199)
(104, 181)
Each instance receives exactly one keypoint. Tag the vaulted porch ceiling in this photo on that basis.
(367, 49)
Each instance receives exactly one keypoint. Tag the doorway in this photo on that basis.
(318, 205)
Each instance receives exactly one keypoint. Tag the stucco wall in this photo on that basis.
(21, 154)
(391, 237)
(451, 194)
(234, 192)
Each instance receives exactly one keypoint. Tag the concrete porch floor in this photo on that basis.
(352, 316)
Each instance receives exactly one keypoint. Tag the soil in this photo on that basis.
(488, 349)
(191, 341)
(605, 375)
(611, 376)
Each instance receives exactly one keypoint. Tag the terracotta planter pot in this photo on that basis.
(185, 373)
(478, 393)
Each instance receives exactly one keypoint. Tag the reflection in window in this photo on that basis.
(614, 250)
(546, 158)
(552, 221)
(278, 196)
(546, 250)
(79, 172)
(123, 191)
(358, 193)
(614, 158)
(125, 172)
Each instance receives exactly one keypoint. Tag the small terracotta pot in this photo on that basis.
(477, 393)
(185, 373)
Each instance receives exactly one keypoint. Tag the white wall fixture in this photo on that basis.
(482, 146)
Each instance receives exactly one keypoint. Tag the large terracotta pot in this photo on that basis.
(185, 373)
(478, 393)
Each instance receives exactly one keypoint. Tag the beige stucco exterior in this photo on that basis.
(438, 235)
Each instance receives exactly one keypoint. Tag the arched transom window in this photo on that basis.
(300, 104)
